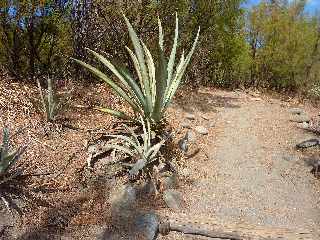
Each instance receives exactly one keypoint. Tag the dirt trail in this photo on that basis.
(252, 174)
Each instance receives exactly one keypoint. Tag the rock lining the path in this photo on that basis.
(308, 143)
(173, 199)
(301, 118)
(201, 130)
(190, 116)
(298, 111)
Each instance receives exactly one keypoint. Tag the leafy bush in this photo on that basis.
(7, 173)
(157, 83)
(145, 153)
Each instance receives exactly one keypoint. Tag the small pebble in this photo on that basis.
(190, 116)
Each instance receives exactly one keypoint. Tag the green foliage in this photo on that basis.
(157, 83)
(283, 46)
(145, 153)
(222, 45)
(33, 40)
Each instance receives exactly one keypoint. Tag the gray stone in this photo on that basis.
(211, 124)
(147, 225)
(185, 172)
(291, 158)
(147, 188)
(202, 130)
(301, 118)
(297, 111)
(308, 143)
(183, 143)
(190, 116)
(173, 199)
(169, 182)
(186, 124)
(123, 197)
(191, 136)
(303, 125)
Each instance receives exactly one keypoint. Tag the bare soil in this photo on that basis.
(251, 172)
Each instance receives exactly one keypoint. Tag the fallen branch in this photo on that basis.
(213, 229)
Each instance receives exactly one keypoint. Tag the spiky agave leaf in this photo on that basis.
(141, 59)
(173, 52)
(180, 71)
(115, 113)
(161, 86)
(111, 83)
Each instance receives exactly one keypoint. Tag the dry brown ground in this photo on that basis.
(216, 181)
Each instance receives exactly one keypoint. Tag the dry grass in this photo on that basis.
(57, 154)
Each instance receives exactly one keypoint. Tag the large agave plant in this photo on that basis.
(145, 152)
(157, 83)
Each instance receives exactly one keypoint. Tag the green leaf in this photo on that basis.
(161, 35)
(152, 73)
(161, 85)
(173, 86)
(141, 58)
(113, 85)
(137, 68)
(115, 113)
(134, 87)
(128, 140)
(113, 69)
(173, 52)
(180, 72)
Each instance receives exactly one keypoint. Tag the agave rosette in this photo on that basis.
(157, 82)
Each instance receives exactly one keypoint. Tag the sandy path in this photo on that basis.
(253, 173)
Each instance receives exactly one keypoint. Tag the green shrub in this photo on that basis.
(157, 83)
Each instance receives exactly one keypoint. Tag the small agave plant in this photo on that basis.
(145, 152)
(157, 83)
(7, 160)
(49, 101)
